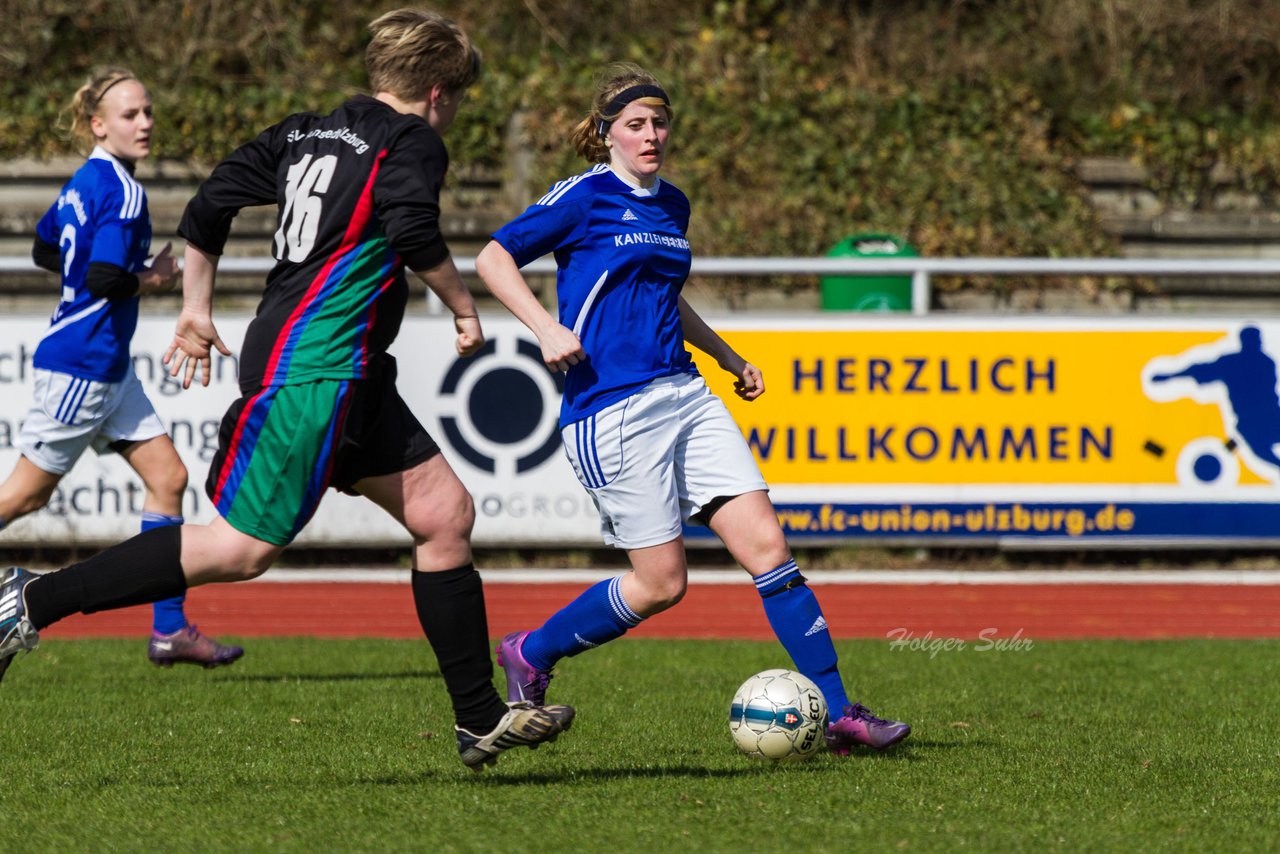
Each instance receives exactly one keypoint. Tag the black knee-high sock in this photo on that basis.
(143, 569)
(451, 611)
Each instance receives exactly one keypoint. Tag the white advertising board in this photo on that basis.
(494, 415)
(1011, 431)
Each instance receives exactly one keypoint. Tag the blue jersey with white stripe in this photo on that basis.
(100, 216)
(623, 258)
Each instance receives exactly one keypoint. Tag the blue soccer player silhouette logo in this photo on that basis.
(1243, 383)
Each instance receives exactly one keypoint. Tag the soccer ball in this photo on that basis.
(778, 715)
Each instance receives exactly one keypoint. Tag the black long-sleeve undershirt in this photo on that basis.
(110, 281)
(46, 255)
(102, 279)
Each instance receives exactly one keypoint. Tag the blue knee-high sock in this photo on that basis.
(796, 618)
(597, 616)
(167, 615)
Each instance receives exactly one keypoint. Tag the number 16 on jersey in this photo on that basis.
(306, 182)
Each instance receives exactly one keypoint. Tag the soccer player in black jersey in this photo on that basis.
(357, 192)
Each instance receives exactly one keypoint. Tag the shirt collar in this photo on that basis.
(100, 153)
(636, 189)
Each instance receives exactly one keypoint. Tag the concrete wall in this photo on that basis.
(477, 202)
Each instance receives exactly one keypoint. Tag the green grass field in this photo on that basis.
(347, 745)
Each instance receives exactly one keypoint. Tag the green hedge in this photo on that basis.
(798, 123)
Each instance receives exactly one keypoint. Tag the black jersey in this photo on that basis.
(358, 195)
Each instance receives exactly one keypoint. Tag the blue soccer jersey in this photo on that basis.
(100, 216)
(623, 258)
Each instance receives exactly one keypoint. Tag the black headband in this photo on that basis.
(104, 92)
(626, 96)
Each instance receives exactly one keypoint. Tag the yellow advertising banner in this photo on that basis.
(956, 414)
(1000, 404)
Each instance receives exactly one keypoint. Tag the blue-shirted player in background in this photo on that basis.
(97, 235)
(651, 444)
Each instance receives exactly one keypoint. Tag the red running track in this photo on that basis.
(963, 611)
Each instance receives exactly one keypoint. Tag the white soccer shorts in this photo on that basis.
(71, 414)
(656, 458)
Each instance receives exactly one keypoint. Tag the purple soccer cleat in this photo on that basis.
(525, 683)
(189, 646)
(859, 726)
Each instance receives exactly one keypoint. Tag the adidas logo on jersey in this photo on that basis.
(629, 216)
(819, 625)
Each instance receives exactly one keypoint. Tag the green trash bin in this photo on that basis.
(868, 293)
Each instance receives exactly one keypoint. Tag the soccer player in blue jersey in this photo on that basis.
(651, 444)
(97, 235)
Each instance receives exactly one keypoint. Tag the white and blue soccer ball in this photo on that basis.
(778, 715)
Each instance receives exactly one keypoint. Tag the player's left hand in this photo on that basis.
(194, 339)
(161, 275)
(750, 383)
(470, 336)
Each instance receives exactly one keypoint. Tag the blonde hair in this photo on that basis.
(586, 137)
(85, 102)
(413, 50)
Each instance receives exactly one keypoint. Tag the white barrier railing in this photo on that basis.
(920, 269)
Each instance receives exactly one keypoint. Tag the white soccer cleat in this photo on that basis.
(524, 725)
(16, 632)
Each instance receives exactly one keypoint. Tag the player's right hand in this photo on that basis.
(193, 341)
(470, 336)
(560, 348)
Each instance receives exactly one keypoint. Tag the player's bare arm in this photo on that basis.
(444, 281)
(498, 270)
(195, 335)
(748, 381)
